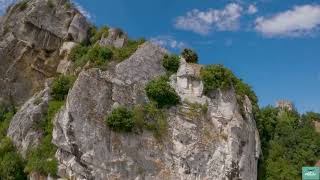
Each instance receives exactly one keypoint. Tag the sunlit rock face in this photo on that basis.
(207, 137)
(30, 40)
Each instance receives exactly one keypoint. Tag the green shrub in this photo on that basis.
(99, 55)
(6, 114)
(96, 35)
(78, 52)
(50, 4)
(190, 56)
(216, 77)
(160, 91)
(123, 53)
(22, 5)
(120, 120)
(11, 163)
(67, 5)
(42, 158)
(61, 86)
(171, 63)
(152, 118)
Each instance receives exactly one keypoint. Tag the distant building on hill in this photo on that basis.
(285, 104)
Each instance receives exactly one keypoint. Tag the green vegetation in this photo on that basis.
(289, 141)
(120, 120)
(11, 163)
(190, 56)
(147, 116)
(6, 114)
(152, 118)
(171, 63)
(22, 5)
(121, 54)
(160, 91)
(99, 55)
(68, 5)
(96, 35)
(216, 77)
(61, 86)
(41, 159)
(50, 4)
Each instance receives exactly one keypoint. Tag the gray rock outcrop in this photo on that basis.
(116, 37)
(207, 138)
(24, 126)
(30, 39)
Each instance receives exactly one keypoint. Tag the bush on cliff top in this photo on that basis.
(171, 63)
(190, 56)
(216, 77)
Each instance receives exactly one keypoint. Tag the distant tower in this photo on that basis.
(285, 104)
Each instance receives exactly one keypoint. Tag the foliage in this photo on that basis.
(123, 53)
(50, 4)
(11, 163)
(78, 52)
(171, 63)
(160, 91)
(120, 120)
(288, 140)
(99, 55)
(67, 5)
(190, 56)
(216, 77)
(6, 114)
(96, 54)
(61, 86)
(96, 35)
(42, 159)
(152, 118)
(22, 5)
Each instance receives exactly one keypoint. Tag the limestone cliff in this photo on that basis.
(208, 136)
(31, 36)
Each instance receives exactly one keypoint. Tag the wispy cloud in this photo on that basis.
(252, 9)
(4, 4)
(168, 42)
(83, 11)
(301, 20)
(203, 22)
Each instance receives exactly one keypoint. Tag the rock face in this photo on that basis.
(207, 139)
(30, 39)
(116, 37)
(23, 128)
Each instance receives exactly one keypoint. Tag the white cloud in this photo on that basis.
(168, 42)
(252, 9)
(301, 20)
(82, 10)
(4, 4)
(203, 22)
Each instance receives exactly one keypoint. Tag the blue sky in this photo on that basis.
(273, 45)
